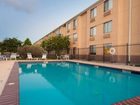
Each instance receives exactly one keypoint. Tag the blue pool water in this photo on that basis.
(64, 83)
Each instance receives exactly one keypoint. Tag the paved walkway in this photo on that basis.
(5, 69)
(10, 93)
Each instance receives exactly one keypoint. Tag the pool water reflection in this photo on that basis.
(65, 83)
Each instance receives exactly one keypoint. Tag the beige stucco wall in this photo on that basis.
(119, 15)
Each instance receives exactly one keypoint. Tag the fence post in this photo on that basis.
(127, 56)
(103, 55)
(78, 53)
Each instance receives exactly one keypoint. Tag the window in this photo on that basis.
(108, 4)
(108, 27)
(93, 49)
(75, 37)
(107, 48)
(93, 13)
(75, 24)
(92, 31)
(69, 37)
(68, 26)
(57, 32)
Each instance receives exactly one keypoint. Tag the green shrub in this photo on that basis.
(36, 51)
(57, 43)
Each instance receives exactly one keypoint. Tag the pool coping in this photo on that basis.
(5, 69)
(121, 67)
(10, 93)
(110, 65)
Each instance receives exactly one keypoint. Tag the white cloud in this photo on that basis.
(21, 5)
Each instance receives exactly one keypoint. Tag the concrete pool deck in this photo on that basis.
(5, 69)
(10, 93)
(110, 65)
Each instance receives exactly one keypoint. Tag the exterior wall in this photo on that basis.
(123, 28)
(119, 15)
(135, 28)
(63, 30)
(135, 21)
(100, 39)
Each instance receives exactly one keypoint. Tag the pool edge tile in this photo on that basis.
(10, 94)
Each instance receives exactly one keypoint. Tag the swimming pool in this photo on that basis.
(65, 83)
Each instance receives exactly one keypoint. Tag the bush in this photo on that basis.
(57, 43)
(36, 51)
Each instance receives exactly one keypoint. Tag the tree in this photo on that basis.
(66, 43)
(27, 42)
(10, 45)
(0, 46)
(57, 44)
(48, 45)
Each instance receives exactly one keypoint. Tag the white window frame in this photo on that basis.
(108, 5)
(93, 13)
(57, 32)
(93, 49)
(75, 23)
(75, 37)
(68, 26)
(93, 31)
(108, 27)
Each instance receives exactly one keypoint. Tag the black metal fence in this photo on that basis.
(125, 54)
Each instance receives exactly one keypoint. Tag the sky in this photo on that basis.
(35, 18)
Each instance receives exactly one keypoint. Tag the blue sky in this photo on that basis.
(35, 18)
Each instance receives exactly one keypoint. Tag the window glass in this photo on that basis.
(93, 49)
(108, 4)
(93, 13)
(108, 27)
(68, 26)
(75, 37)
(57, 32)
(75, 24)
(93, 31)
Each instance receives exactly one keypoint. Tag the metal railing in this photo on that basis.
(103, 54)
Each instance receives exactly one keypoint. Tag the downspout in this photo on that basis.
(129, 34)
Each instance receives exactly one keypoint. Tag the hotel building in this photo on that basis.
(103, 25)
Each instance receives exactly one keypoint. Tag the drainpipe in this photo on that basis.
(129, 34)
